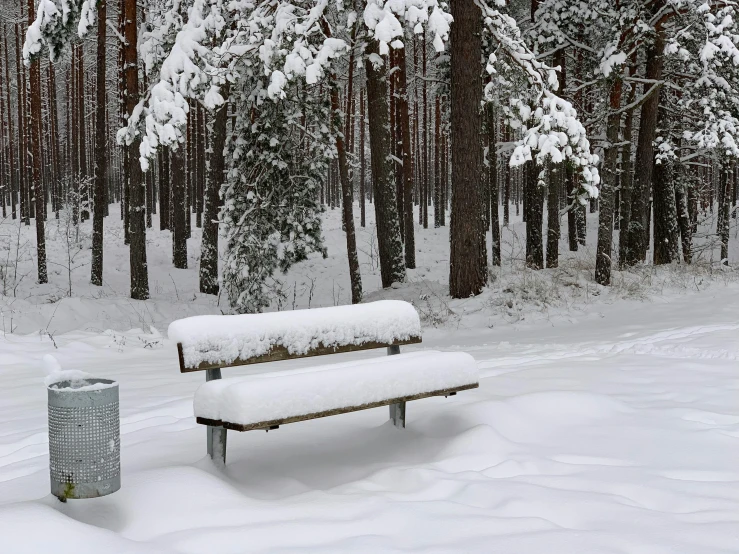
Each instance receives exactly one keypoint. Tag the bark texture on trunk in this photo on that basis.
(683, 218)
(534, 211)
(392, 266)
(101, 161)
(164, 189)
(355, 277)
(179, 207)
(637, 238)
(607, 194)
(37, 191)
(215, 168)
(15, 180)
(136, 183)
(468, 259)
(493, 185)
(556, 177)
(724, 211)
(407, 184)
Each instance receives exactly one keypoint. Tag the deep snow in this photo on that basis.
(613, 434)
(606, 420)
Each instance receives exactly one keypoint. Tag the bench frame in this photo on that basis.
(217, 430)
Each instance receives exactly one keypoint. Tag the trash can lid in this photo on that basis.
(77, 381)
(82, 385)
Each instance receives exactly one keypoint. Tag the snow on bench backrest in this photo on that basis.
(211, 341)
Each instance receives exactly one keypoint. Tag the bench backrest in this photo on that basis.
(216, 341)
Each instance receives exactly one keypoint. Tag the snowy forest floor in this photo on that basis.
(515, 295)
(606, 420)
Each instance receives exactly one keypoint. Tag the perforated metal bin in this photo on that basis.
(84, 438)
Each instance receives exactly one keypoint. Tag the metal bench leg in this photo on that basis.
(217, 444)
(216, 441)
(397, 414)
(397, 411)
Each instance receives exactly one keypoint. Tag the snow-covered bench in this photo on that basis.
(268, 400)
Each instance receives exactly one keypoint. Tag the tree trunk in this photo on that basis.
(164, 189)
(23, 169)
(724, 207)
(683, 219)
(15, 180)
(407, 157)
(216, 170)
(666, 231)
(101, 162)
(82, 140)
(137, 192)
(493, 185)
(637, 239)
(362, 176)
(534, 212)
(627, 177)
(355, 277)
(37, 192)
(507, 183)
(605, 217)
(54, 123)
(468, 258)
(392, 266)
(556, 177)
(179, 207)
(424, 139)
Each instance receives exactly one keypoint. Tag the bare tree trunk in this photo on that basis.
(362, 176)
(216, 170)
(164, 189)
(683, 219)
(392, 266)
(54, 123)
(355, 276)
(636, 233)
(101, 160)
(15, 180)
(507, 184)
(468, 260)
(37, 193)
(444, 166)
(724, 206)
(424, 138)
(137, 221)
(437, 161)
(82, 140)
(201, 165)
(493, 184)
(407, 157)
(605, 218)
(179, 207)
(556, 175)
(534, 213)
(23, 170)
(627, 175)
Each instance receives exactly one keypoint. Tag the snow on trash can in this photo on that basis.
(84, 436)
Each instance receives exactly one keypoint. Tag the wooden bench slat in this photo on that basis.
(276, 422)
(280, 353)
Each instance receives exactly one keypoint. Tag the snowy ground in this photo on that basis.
(619, 433)
(606, 420)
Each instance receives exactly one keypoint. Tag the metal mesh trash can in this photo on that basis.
(84, 438)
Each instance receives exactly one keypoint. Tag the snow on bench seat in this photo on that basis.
(264, 400)
(220, 341)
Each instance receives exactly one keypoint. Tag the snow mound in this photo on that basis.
(258, 398)
(223, 339)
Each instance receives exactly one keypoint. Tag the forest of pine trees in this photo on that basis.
(249, 119)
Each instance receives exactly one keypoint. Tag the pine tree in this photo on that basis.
(468, 262)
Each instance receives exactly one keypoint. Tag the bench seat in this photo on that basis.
(265, 401)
